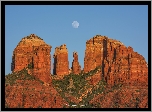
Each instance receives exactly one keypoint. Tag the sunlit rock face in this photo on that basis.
(120, 64)
(33, 50)
(61, 63)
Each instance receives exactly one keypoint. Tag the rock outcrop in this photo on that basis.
(119, 63)
(33, 51)
(76, 68)
(61, 63)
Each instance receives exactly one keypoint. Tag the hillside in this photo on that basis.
(114, 76)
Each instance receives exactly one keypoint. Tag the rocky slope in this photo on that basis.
(114, 76)
(23, 90)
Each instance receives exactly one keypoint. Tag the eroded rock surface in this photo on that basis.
(61, 63)
(34, 51)
(120, 64)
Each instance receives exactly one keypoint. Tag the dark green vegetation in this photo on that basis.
(28, 37)
(30, 66)
(76, 85)
(20, 75)
(77, 82)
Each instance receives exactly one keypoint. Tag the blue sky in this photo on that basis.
(128, 24)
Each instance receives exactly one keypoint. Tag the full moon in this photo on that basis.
(75, 24)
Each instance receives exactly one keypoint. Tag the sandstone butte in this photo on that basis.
(119, 65)
(32, 49)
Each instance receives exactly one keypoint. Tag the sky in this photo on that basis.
(128, 24)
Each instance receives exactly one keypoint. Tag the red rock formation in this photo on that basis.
(119, 63)
(76, 68)
(61, 63)
(33, 50)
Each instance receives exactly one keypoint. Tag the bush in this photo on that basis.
(30, 66)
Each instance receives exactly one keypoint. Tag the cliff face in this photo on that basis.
(93, 53)
(61, 63)
(76, 68)
(119, 63)
(33, 50)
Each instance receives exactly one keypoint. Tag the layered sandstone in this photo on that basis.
(76, 68)
(33, 50)
(120, 64)
(61, 63)
(93, 53)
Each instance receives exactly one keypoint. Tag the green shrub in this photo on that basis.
(30, 66)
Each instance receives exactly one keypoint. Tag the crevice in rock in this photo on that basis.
(104, 49)
(32, 62)
(102, 68)
(114, 55)
(54, 68)
(128, 60)
(13, 63)
(109, 70)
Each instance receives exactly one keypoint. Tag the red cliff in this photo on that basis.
(33, 50)
(119, 63)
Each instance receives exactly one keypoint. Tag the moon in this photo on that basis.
(75, 24)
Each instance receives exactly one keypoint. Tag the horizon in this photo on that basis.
(127, 24)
